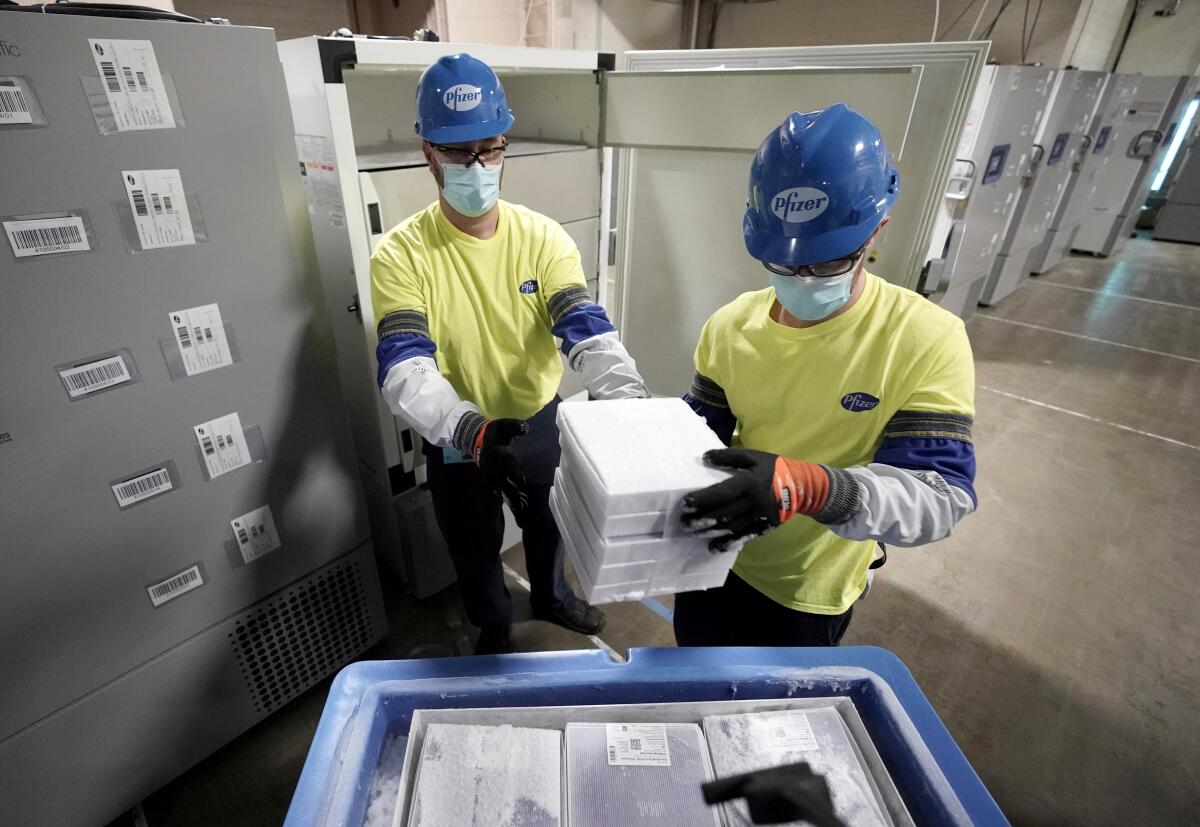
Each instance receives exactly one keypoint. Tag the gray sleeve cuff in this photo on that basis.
(845, 497)
(467, 431)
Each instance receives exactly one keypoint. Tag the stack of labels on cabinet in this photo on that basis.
(488, 776)
(817, 736)
(631, 774)
(626, 465)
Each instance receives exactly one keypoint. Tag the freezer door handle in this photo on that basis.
(355, 308)
(1138, 150)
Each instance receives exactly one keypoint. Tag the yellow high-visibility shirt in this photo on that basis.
(486, 301)
(824, 394)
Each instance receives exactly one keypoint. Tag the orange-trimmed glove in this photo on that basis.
(764, 491)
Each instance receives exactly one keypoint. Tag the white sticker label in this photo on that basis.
(223, 445)
(789, 732)
(200, 335)
(142, 487)
(42, 236)
(172, 587)
(641, 745)
(255, 533)
(159, 206)
(95, 376)
(135, 89)
(13, 106)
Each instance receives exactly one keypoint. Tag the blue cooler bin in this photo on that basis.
(373, 701)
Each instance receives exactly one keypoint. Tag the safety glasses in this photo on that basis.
(822, 269)
(465, 157)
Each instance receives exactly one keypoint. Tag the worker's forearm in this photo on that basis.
(417, 392)
(607, 369)
(898, 506)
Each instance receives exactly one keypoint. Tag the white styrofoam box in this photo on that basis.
(612, 781)
(819, 737)
(488, 775)
(614, 525)
(634, 456)
(662, 574)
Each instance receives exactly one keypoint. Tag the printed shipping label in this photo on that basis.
(159, 206)
(42, 236)
(641, 745)
(172, 587)
(200, 335)
(223, 445)
(142, 487)
(256, 534)
(95, 376)
(13, 106)
(135, 89)
(783, 733)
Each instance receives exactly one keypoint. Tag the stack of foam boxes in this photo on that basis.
(626, 465)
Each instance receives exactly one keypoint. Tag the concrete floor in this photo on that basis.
(1056, 633)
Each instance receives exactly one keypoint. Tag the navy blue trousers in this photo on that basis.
(469, 514)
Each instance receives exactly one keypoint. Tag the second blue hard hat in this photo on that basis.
(819, 186)
(460, 99)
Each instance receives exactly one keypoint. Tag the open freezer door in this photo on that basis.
(687, 125)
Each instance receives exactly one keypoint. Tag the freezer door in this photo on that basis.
(1135, 117)
(687, 125)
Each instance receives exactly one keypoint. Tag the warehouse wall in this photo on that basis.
(289, 18)
(1164, 45)
(1100, 26)
(815, 22)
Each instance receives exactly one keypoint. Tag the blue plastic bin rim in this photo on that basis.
(509, 680)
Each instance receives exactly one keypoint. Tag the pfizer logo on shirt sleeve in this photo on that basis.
(859, 401)
(462, 98)
(799, 204)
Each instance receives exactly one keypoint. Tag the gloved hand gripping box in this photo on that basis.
(626, 465)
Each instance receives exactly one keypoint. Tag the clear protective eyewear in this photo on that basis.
(464, 157)
(822, 269)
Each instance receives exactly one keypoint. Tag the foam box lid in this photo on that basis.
(607, 786)
(637, 455)
(817, 736)
(488, 775)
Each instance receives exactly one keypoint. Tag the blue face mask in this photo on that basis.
(810, 298)
(471, 190)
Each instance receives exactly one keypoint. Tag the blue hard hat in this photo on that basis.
(460, 99)
(819, 186)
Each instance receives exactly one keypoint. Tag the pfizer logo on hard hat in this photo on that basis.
(462, 98)
(799, 204)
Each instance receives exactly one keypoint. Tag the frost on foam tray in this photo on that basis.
(634, 456)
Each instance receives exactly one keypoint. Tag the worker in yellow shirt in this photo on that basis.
(470, 294)
(848, 401)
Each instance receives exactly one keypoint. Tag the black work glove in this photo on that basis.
(764, 491)
(495, 458)
(778, 795)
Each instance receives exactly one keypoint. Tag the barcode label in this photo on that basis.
(133, 84)
(159, 207)
(172, 587)
(142, 487)
(94, 376)
(200, 334)
(110, 76)
(222, 445)
(44, 236)
(255, 533)
(13, 106)
(643, 745)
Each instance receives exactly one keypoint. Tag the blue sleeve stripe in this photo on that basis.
(580, 324)
(953, 459)
(720, 419)
(394, 349)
